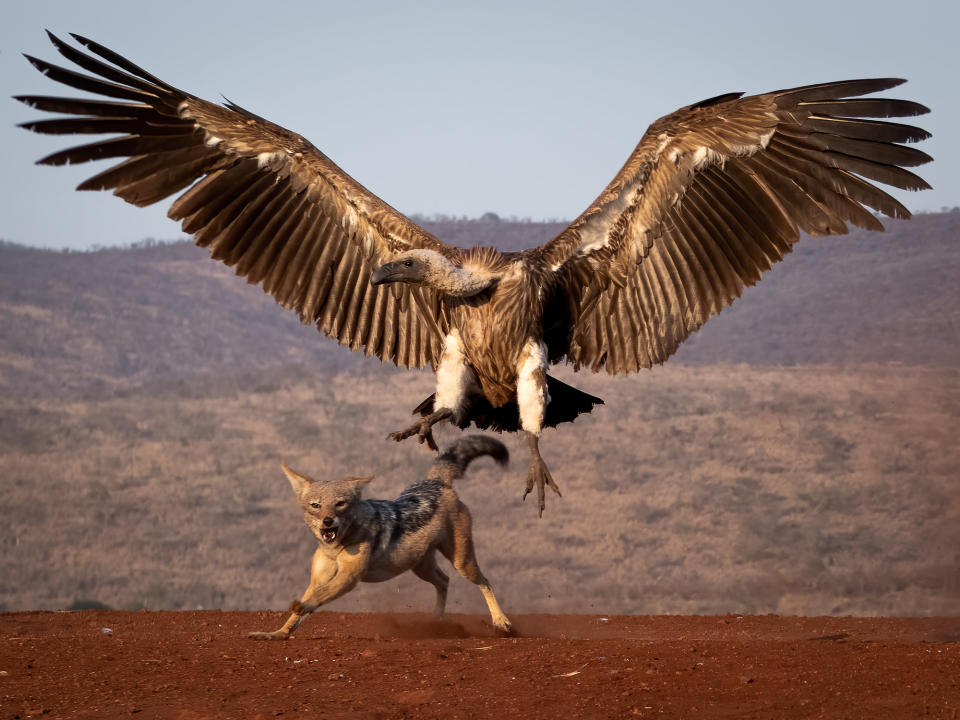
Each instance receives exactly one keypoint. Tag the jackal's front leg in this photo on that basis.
(298, 612)
(328, 581)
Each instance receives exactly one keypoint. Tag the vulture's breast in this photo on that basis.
(494, 326)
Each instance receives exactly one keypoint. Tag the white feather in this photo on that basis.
(454, 375)
(746, 150)
(267, 159)
(595, 234)
(664, 141)
(532, 395)
(704, 155)
(593, 241)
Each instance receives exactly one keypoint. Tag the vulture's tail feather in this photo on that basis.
(566, 404)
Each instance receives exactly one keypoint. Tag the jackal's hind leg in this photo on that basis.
(458, 549)
(429, 570)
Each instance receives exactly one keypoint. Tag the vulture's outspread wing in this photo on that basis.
(261, 198)
(712, 196)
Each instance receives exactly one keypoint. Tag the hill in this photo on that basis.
(147, 397)
(804, 490)
(117, 318)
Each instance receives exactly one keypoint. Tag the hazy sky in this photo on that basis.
(520, 108)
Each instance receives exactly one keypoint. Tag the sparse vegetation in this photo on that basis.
(148, 398)
(154, 501)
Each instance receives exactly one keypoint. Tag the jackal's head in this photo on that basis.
(328, 506)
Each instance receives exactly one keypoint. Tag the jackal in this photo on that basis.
(375, 540)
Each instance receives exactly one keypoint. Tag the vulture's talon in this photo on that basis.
(423, 429)
(431, 443)
(539, 476)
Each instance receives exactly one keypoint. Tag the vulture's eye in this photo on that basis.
(408, 263)
(314, 505)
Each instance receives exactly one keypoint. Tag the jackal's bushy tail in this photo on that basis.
(454, 459)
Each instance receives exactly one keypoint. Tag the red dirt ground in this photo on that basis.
(192, 665)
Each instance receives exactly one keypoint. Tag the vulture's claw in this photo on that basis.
(423, 429)
(428, 438)
(540, 476)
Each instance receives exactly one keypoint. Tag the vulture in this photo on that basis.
(712, 196)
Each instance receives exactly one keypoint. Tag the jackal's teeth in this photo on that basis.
(328, 535)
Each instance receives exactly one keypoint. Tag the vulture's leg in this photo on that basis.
(423, 428)
(532, 399)
(454, 378)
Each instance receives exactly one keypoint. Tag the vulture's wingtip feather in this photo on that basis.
(57, 42)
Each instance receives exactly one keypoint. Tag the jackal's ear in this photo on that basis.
(298, 482)
(360, 480)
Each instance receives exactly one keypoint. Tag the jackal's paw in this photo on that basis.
(275, 635)
(505, 629)
(539, 476)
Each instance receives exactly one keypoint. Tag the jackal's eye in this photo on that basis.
(341, 503)
(315, 505)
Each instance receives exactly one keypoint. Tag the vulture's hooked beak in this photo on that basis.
(392, 272)
(381, 274)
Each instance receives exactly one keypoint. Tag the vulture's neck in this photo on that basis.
(459, 281)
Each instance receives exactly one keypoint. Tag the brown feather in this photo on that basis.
(873, 107)
(835, 90)
(116, 147)
(142, 167)
(261, 198)
(212, 229)
(722, 190)
(248, 234)
(858, 129)
(710, 198)
(354, 290)
(290, 236)
(262, 254)
(319, 272)
(122, 62)
(85, 82)
(96, 108)
(164, 182)
(104, 70)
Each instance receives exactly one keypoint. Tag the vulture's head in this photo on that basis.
(413, 266)
(430, 268)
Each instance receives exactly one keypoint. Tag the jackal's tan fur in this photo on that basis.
(375, 540)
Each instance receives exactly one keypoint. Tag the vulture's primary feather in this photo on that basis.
(712, 196)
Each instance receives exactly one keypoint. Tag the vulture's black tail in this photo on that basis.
(566, 403)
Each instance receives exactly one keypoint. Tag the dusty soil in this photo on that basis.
(193, 665)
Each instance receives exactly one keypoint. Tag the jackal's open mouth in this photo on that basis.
(329, 535)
